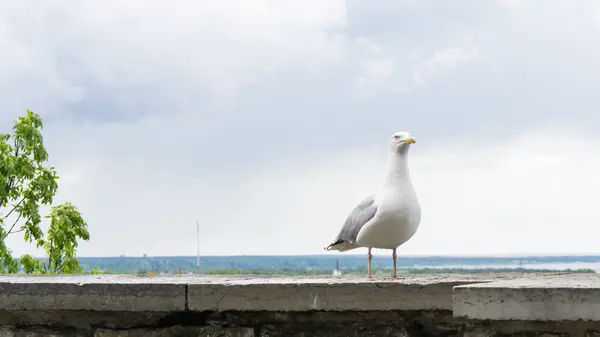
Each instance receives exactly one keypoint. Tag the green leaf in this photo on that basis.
(26, 183)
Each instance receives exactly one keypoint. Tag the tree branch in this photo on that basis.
(50, 254)
(18, 230)
(17, 205)
(13, 226)
(58, 270)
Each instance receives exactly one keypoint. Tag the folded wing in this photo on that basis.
(363, 213)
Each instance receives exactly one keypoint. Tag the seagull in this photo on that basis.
(390, 217)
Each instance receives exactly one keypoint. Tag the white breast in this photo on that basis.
(396, 221)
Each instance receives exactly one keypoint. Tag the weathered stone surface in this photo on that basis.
(347, 331)
(302, 294)
(563, 298)
(172, 293)
(128, 306)
(38, 332)
(177, 331)
(494, 328)
(82, 320)
(343, 323)
(489, 332)
(118, 293)
(274, 324)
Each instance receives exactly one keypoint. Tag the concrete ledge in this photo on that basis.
(325, 294)
(507, 305)
(95, 293)
(510, 297)
(560, 298)
(202, 293)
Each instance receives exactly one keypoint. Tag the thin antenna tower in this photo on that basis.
(197, 246)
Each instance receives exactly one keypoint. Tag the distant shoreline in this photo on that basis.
(354, 254)
(326, 264)
(311, 264)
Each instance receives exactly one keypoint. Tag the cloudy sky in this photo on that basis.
(267, 121)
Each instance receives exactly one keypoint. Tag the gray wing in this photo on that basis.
(360, 215)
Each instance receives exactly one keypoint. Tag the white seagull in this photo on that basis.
(389, 218)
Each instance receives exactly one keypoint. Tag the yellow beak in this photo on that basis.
(409, 140)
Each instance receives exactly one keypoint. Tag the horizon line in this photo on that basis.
(356, 254)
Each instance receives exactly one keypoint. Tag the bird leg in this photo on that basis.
(369, 266)
(394, 257)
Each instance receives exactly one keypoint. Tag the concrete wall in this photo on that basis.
(110, 306)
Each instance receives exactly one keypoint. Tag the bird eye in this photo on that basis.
(396, 136)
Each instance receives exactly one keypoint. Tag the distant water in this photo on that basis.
(554, 266)
(345, 261)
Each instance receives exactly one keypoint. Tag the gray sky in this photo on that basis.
(268, 120)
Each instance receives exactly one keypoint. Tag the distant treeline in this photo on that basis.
(321, 264)
(413, 271)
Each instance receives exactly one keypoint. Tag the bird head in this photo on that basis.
(400, 141)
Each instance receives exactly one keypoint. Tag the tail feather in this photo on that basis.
(341, 245)
(333, 245)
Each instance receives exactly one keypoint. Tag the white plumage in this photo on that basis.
(389, 218)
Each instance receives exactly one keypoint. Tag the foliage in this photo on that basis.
(30, 265)
(97, 271)
(26, 184)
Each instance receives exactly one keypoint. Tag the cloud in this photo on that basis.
(378, 68)
(265, 121)
(444, 60)
(215, 48)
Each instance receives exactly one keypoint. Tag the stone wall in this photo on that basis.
(110, 306)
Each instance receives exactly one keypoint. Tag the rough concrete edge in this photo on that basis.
(536, 303)
(133, 297)
(218, 292)
(458, 294)
(139, 300)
